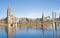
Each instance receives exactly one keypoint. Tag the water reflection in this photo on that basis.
(26, 32)
(2, 32)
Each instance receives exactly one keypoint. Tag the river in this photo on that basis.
(27, 33)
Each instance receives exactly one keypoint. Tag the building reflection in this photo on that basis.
(10, 30)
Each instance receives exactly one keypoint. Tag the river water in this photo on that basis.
(28, 33)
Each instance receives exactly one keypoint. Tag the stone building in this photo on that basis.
(10, 18)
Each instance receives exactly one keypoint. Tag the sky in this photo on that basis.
(30, 8)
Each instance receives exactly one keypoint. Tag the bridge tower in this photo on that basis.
(54, 26)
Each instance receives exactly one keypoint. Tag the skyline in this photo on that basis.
(29, 8)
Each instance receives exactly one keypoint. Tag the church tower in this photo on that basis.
(8, 14)
(11, 19)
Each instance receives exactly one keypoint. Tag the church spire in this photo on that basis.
(8, 10)
(42, 15)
